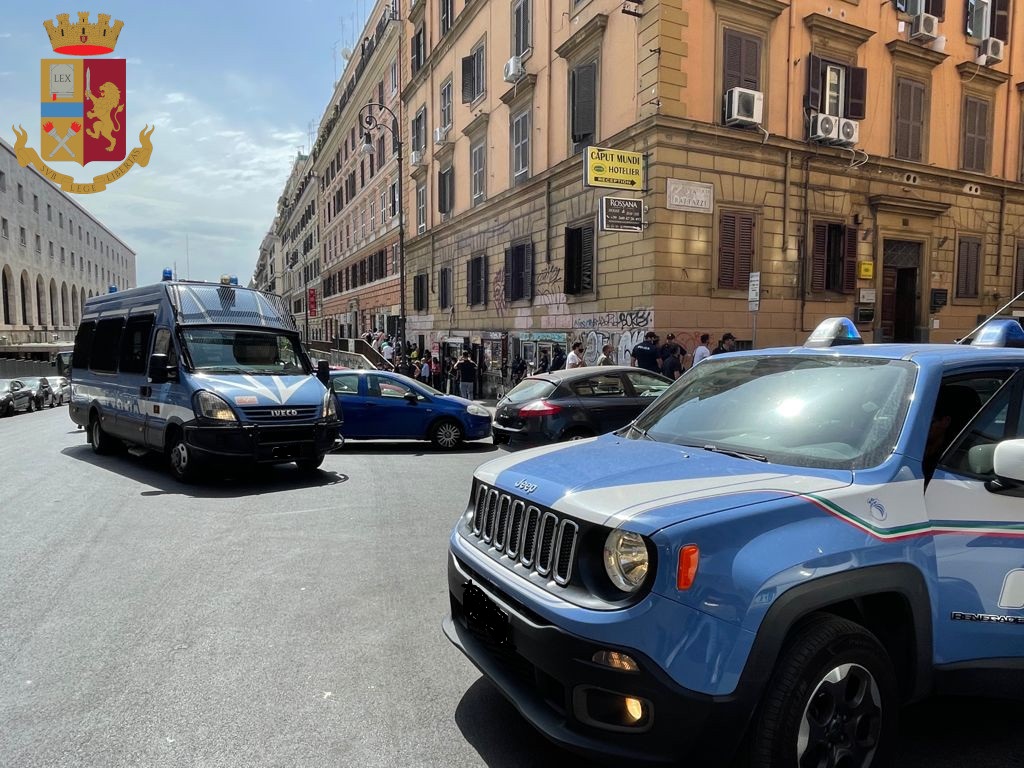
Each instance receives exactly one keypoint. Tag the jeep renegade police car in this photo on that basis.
(783, 549)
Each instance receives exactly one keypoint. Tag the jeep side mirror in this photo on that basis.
(323, 372)
(157, 368)
(1008, 462)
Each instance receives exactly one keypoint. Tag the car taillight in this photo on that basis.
(539, 408)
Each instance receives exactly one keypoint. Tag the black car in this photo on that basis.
(573, 404)
(14, 397)
(42, 392)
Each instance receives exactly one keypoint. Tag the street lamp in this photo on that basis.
(370, 124)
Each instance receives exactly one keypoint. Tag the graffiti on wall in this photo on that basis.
(623, 330)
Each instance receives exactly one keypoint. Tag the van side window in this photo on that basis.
(106, 343)
(164, 345)
(83, 345)
(135, 344)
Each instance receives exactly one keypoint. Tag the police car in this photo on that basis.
(780, 552)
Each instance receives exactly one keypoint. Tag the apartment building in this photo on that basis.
(54, 255)
(269, 263)
(864, 159)
(356, 165)
(299, 236)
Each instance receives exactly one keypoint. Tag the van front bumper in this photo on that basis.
(262, 444)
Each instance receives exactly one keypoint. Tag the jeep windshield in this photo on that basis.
(801, 410)
(228, 350)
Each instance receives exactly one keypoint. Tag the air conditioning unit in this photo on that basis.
(441, 135)
(992, 49)
(824, 128)
(514, 70)
(924, 26)
(849, 132)
(743, 106)
(416, 158)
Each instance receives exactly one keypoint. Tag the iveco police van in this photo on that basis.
(202, 372)
(783, 549)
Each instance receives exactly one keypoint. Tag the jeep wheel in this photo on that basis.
(181, 459)
(309, 466)
(831, 701)
(446, 434)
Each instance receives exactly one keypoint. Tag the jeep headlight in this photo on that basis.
(330, 408)
(477, 410)
(626, 560)
(211, 406)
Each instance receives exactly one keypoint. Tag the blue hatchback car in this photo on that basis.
(380, 405)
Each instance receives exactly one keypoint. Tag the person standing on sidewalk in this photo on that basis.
(645, 354)
(702, 352)
(575, 359)
(465, 370)
(607, 355)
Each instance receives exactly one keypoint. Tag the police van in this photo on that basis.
(202, 372)
(782, 550)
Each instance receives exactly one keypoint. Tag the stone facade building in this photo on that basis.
(298, 234)
(53, 256)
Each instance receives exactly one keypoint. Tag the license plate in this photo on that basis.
(483, 617)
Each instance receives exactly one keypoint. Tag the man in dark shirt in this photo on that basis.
(669, 348)
(645, 354)
(727, 344)
(466, 371)
(557, 360)
(672, 364)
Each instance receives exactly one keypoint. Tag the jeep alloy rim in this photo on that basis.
(447, 435)
(842, 721)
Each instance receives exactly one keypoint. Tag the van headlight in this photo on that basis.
(330, 408)
(477, 410)
(626, 560)
(211, 406)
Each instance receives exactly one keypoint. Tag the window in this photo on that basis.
(446, 14)
(381, 386)
(446, 103)
(985, 402)
(736, 245)
(39, 244)
(51, 252)
(521, 32)
(836, 89)
(579, 259)
(419, 293)
(421, 208)
(914, 7)
(987, 18)
(603, 385)
(49, 212)
(22, 236)
(83, 346)
(520, 140)
(741, 61)
(418, 130)
(478, 171)
(968, 267)
(135, 344)
(394, 77)
(444, 287)
(646, 385)
(345, 384)
(1018, 273)
(446, 190)
(35, 203)
(3, 181)
(909, 118)
(418, 49)
(476, 281)
(519, 271)
(473, 75)
(4, 229)
(60, 220)
(21, 194)
(583, 104)
(974, 133)
(106, 344)
(833, 258)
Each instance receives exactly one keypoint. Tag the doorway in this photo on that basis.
(901, 263)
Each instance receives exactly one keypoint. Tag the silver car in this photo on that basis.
(61, 390)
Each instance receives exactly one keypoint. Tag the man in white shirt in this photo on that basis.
(575, 359)
(702, 351)
(388, 352)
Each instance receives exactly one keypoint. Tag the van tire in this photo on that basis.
(308, 466)
(101, 442)
(181, 458)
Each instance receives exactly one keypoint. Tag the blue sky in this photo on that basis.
(231, 88)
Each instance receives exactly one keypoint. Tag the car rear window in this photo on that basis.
(599, 386)
(530, 389)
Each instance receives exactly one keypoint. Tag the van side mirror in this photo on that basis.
(323, 372)
(158, 368)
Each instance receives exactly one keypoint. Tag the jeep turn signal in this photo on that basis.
(689, 557)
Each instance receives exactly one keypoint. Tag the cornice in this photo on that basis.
(586, 34)
(971, 72)
(908, 206)
(768, 9)
(901, 50)
(477, 125)
(520, 91)
(826, 26)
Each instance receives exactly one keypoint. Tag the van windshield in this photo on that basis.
(226, 350)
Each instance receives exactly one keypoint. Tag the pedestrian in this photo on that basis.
(557, 359)
(645, 354)
(518, 369)
(575, 359)
(387, 352)
(672, 365)
(669, 348)
(727, 344)
(435, 373)
(543, 364)
(702, 352)
(425, 371)
(607, 355)
(466, 371)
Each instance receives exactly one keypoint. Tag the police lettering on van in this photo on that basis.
(202, 372)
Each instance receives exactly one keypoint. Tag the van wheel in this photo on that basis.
(101, 442)
(832, 700)
(181, 459)
(310, 465)
(446, 434)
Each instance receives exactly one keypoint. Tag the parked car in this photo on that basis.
(382, 405)
(14, 397)
(574, 404)
(61, 389)
(41, 390)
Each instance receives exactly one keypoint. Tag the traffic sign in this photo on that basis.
(754, 292)
(613, 168)
(622, 214)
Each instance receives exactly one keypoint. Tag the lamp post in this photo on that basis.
(370, 124)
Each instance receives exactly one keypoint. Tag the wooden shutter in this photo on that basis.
(967, 267)
(813, 82)
(850, 260)
(909, 120)
(469, 283)
(856, 92)
(468, 79)
(1001, 19)
(917, 121)
(528, 271)
(732, 60)
(1018, 274)
(584, 103)
(508, 274)
(744, 249)
(819, 256)
(936, 8)
(483, 280)
(969, 18)
(573, 267)
(587, 258)
(975, 135)
(727, 250)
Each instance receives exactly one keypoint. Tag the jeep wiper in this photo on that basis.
(640, 431)
(732, 452)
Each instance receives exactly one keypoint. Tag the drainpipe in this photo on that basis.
(802, 261)
(786, 208)
(1002, 232)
